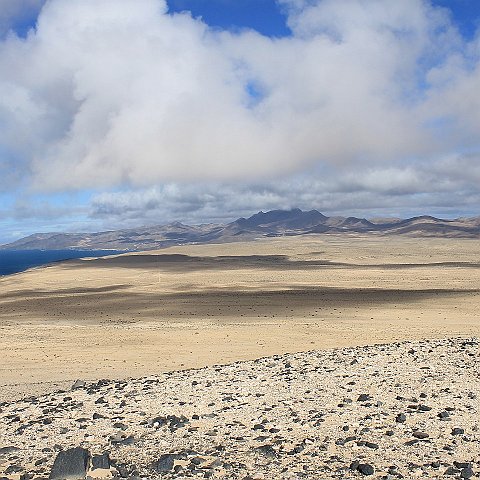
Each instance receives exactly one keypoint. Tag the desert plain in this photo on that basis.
(192, 306)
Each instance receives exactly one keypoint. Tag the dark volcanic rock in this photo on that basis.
(401, 418)
(70, 465)
(7, 450)
(267, 450)
(451, 471)
(466, 473)
(420, 435)
(366, 469)
(364, 397)
(165, 463)
(101, 461)
(262, 420)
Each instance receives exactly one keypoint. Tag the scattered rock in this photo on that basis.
(259, 420)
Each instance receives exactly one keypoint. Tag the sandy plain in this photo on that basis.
(193, 306)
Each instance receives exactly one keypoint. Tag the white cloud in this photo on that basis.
(120, 92)
(448, 188)
(441, 189)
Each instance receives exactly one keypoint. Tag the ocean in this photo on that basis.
(14, 261)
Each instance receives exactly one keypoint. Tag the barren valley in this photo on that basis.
(191, 306)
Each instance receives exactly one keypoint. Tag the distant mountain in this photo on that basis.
(274, 223)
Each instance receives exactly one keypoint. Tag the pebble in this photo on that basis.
(294, 416)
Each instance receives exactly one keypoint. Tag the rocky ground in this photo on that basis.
(403, 410)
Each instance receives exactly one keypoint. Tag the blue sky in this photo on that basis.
(264, 16)
(235, 106)
(465, 12)
(269, 19)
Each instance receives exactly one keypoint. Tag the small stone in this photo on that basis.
(364, 397)
(354, 465)
(267, 450)
(101, 461)
(165, 463)
(424, 408)
(120, 426)
(420, 435)
(7, 450)
(466, 473)
(121, 438)
(366, 469)
(458, 431)
(401, 418)
(451, 471)
(157, 422)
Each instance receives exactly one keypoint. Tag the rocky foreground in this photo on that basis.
(404, 410)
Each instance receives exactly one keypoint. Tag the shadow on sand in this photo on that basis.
(94, 304)
(186, 263)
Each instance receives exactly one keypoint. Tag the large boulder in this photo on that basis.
(70, 464)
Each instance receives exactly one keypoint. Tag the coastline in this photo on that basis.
(49, 263)
(192, 306)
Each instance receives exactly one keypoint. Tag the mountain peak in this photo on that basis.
(282, 219)
(262, 224)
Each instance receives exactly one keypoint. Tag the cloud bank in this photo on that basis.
(451, 185)
(122, 93)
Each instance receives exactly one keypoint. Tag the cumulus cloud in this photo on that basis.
(116, 93)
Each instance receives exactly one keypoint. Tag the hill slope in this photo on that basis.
(262, 224)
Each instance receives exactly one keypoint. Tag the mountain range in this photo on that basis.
(274, 223)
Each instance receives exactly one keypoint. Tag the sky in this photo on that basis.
(121, 113)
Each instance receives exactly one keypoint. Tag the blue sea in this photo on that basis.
(14, 261)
